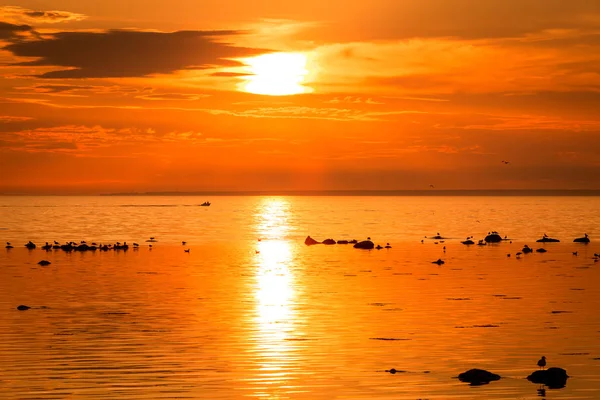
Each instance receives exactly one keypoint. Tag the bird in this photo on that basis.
(508, 255)
(183, 243)
(505, 162)
(431, 186)
(257, 251)
(542, 362)
(574, 253)
(8, 245)
(187, 250)
(387, 246)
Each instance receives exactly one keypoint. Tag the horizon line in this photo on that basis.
(344, 192)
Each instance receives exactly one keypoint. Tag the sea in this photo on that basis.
(227, 302)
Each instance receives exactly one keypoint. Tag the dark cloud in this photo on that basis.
(127, 53)
(53, 16)
(20, 14)
(10, 31)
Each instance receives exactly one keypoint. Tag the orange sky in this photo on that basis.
(149, 95)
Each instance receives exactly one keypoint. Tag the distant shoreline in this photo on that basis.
(379, 193)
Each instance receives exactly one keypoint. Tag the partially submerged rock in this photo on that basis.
(23, 307)
(365, 244)
(478, 377)
(328, 241)
(547, 239)
(43, 263)
(493, 237)
(309, 241)
(584, 239)
(554, 378)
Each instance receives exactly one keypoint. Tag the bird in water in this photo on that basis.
(183, 243)
(542, 362)
(187, 250)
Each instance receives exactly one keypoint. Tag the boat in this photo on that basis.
(205, 204)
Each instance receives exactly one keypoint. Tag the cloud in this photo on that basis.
(172, 96)
(352, 100)
(9, 118)
(18, 14)
(129, 53)
(11, 32)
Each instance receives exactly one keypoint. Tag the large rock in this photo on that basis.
(478, 377)
(309, 241)
(329, 241)
(365, 244)
(554, 378)
(584, 239)
(493, 237)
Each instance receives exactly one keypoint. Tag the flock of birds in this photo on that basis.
(85, 246)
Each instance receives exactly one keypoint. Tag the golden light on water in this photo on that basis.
(274, 295)
(277, 74)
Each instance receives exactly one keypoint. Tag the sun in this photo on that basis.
(276, 74)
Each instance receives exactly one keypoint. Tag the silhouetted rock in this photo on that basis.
(554, 378)
(342, 242)
(394, 371)
(43, 263)
(353, 241)
(584, 239)
(309, 241)
(468, 242)
(439, 261)
(23, 308)
(541, 250)
(30, 245)
(547, 239)
(365, 244)
(328, 241)
(478, 377)
(527, 249)
(493, 237)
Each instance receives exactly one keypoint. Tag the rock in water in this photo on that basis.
(493, 238)
(554, 378)
(365, 244)
(23, 308)
(478, 377)
(309, 241)
(43, 263)
(329, 241)
(584, 239)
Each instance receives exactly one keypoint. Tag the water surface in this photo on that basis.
(237, 317)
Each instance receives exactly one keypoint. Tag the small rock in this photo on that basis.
(43, 263)
(310, 241)
(554, 378)
(329, 241)
(478, 377)
(23, 308)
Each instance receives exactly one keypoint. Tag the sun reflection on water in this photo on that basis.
(275, 316)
